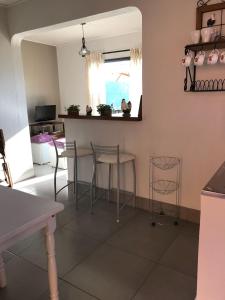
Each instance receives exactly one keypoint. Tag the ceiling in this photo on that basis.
(121, 24)
(10, 2)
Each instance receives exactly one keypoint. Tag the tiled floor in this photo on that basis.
(100, 259)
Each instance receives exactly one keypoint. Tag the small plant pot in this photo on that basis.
(106, 114)
(126, 113)
(73, 113)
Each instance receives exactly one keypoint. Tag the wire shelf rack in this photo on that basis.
(164, 179)
(165, 187)
(164, 162)
(212, 85)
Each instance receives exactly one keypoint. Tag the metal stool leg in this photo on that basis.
(55, 175)
(75, 188)
(118, 193)
(93, 186)
(109, 186)
(134, 181)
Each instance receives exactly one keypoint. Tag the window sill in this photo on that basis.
(113, 118)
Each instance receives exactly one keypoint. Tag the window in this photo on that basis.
(112, 80)
(117, 81)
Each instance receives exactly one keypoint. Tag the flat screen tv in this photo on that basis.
(45, 113)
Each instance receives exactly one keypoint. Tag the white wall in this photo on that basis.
(71, 66)
(13, 115)
(190, 125)
(41, 76)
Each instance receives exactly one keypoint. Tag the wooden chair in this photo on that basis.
(5, 165)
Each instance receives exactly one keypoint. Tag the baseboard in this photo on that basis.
(187, 214)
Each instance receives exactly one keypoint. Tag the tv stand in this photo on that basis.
(45, 124)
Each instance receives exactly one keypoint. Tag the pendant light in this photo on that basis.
(83, 51)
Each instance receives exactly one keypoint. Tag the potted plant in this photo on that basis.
(104, 110)
(73, 110)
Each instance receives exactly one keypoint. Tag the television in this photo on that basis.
(45, 113)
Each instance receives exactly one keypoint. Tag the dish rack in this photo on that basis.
(164, 179)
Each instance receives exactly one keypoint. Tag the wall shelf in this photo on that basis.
(191, 84)
(220, 44)
(113, 118)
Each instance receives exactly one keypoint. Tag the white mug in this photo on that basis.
(199, 58)
(215, 35)
(206, 34)
(222, 57)
(195, 36)
(213, 57)
(187, 59)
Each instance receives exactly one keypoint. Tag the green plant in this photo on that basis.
(73, 109)
(104, 109)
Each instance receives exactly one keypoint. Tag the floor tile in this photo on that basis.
(68, 292)
(68, 214)
(166, 284)
(97, 227)
(110, 274)
(20, 246)
(24, 281)
(7, 256)
(108, 209)
(189, 228)
(71, 248)
(102, 223)
(142, 239)
(182, 255)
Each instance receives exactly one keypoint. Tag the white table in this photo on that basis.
(21, 215)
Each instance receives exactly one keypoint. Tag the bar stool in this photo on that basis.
(74, 152)
(112, 156)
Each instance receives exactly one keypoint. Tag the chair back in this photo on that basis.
(107, 150)
(67, 146)
(2, 143)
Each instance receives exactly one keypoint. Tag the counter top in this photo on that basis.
(112, 118)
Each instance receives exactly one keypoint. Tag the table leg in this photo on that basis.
(52, 268)
(3, 280)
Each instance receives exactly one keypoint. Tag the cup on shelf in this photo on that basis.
(195, 36)
(222, 57)
(206, 34)
(213, 57)
(215, 35)
(187, 59)
(199, 58)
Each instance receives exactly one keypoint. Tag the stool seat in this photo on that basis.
(112, 158)
(69, 153)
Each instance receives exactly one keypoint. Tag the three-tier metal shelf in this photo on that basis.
(164, 179)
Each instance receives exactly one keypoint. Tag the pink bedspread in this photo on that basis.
(60, 143)
(41, 138)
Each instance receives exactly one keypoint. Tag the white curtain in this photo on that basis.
(96, 86)
(135, 79)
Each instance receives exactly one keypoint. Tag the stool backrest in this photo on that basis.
(107, 150)
(67, 146)
(2, 143)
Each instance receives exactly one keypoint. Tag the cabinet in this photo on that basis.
(164, 179)
(46, 126)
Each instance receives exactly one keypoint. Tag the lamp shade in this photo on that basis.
(83, 51)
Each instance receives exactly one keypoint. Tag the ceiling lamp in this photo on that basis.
(83, 51)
